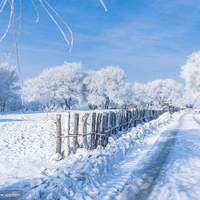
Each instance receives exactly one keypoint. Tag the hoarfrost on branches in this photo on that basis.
(190, 72)
(165, 91)
(106, 88)
(158, 93)
(60, 86)
(9, 86)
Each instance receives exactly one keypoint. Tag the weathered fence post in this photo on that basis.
(136, 117)
(114, 123)
(107, 128)
(67, 136)
(121, 121)
(98, 129)
(102, 129)
(84, 120)
(129, 119)
(58, 133)
(104, 132)
(75, 133)
(126, 119)
(93, 129)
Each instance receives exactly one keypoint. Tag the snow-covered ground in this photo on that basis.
(27, 146)
(157, 160)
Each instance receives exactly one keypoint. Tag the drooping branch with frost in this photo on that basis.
(104, 5)
(12, 9)
(59, 22)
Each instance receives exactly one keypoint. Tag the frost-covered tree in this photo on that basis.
(190, 72)
(166, 91)
(106, 88)
(60, 86)
(157, 93)
(9, 87)
(140, 94)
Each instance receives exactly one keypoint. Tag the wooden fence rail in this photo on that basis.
(94, 128)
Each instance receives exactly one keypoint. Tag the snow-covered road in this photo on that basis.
(171, 170)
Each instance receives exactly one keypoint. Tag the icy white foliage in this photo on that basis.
(158, 92)
(106, 87)
(9, 86)
(139, 93)
(190, 72)
(58, 86)
(166, 91)
(66, 86)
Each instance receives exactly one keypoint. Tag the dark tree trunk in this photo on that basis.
(68, 103)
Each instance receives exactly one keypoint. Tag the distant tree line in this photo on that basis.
(68, 87)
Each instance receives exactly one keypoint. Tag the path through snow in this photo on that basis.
(171, 170)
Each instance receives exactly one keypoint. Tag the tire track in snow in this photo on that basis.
(144, 179)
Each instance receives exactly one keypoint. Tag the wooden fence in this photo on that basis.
(84, 133)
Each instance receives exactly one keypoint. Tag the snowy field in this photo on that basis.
(157, 160)
(27, 145)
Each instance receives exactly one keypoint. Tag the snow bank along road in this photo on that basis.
(153, 161)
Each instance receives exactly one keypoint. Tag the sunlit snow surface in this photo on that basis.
(165, 165)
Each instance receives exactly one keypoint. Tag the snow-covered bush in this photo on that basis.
(106, 88)
(190, 72)
(9, 87)
(60, 86)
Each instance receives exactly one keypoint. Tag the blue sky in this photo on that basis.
(149, 39)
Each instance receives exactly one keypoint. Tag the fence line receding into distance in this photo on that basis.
(90, 129)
